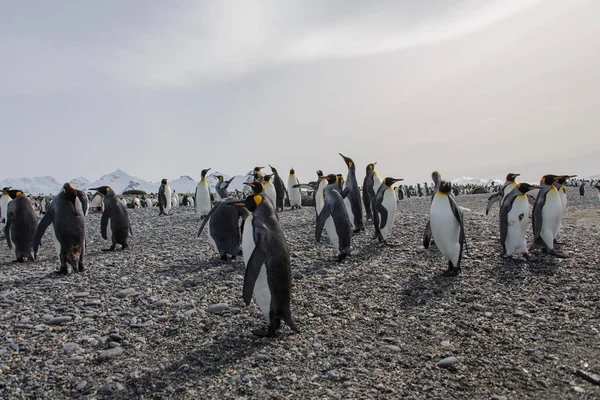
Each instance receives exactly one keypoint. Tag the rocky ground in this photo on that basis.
(165, 319)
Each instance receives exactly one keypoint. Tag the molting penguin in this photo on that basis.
(4, 200)
(202, 203)
(547, 215)
(224, 232)
(508, 186)
(447, 227)
(114, 224)
(267, 259)
(280, 190)
(514, 220)
(427, 235)
(269, 189)
(21, 222)
(295, 195)
(334, 218)
(352, 193)
(385, 207)
(66, 214)
(164, 198)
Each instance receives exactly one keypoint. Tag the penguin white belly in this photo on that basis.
(262, 292)
(332, 233)
(124, 202)
(551, 218)
(376, 183)
(389, 202)
(350, 213)
(445, 228)
(4, 207)
(202, 199)
(248, 239)
(563, 200)
(294, 193)
(517, 223)
(109, 231)
(320, 197)
(270, 193)
(598, 195)
(210, 238)
(168, 199)
(191, 201)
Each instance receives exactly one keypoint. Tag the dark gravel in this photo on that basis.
(165, 319)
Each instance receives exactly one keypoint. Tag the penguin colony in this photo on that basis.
(250, 227)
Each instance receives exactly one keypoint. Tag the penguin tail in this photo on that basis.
(290, 322)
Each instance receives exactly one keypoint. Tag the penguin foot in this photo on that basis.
(357, 230)
(559, 254)
(81, 267)
(262, 333)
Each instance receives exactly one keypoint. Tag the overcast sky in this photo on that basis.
(168, 88)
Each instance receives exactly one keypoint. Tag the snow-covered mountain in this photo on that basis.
(80, 183)
(41, 184)
(120, 181)
(467, 180)
(184, 184)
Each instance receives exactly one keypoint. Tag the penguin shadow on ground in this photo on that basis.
(52, 274)
(513, 270)
(420, 290)
(226, 351)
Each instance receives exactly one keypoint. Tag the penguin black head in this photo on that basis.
(257, 187)
(5, 190)
(14, 193)
(331, 179)
(164, 182)
(252, 202)
(102, 189)
(319, 173)
(220, 177)
(436, 176)
(292, 172)
(390, 181)
(526, 187)
(340, 178)
(511, 177)
(273, 169)
(348, 160)
(445, 187)
(257, 169)
(267, 178)
(204, 172)
(563, 178)
(548, 179)
(371, 167)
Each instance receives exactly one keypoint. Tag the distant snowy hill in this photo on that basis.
(41, 184)
(184, 184)
(119, 181)
(80, 183)
(467, 180)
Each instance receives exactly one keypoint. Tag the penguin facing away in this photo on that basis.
(352, 193)
(21, 223)
(582, 189)
(369, 180)
(447, 227)
(294, 192)
(334, 218)
(385, 206)
(546, 216)
(280, 190)
(114, 224)
(223, 230)
(164, 198)
(427, 235)
(514, 220)
(66, 215)
(266, 256)
(202, 203)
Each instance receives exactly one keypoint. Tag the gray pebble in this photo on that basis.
(218, 308)
(110, 354)
(447, 362)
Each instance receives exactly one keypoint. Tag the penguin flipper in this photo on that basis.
(211, 212)
(459, 217)
(41, 229)
(536, 216)
(381, 210)
(325, 213)
(255, 263)
(427, 235)
(491, 200)
(104, 222)
(84, 201)
(9, 220)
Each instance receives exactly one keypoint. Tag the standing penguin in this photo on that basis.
(164, 198)
(295, 195)
(269, 189)
(114, 224)
(447, 227)
(21, 222)
(514, 220)
(352, 193)
(547, 215)
(202, 203)
(559, 184)
(582, 188)
(597, 186)
(319, 194)
(370, 171)
(258, 174)
(280, 190)
(267, 258)
(427, 235)
(66, 214)
(175, 199)
(385, 207)
(224, 232)
(135, 203)
(508, 186)
(334, 218)
(4, 200)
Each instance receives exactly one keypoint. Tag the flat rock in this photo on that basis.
(218, 308)
(447, 362)
(109, 354)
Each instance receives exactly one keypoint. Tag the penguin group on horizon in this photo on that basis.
(250, 227)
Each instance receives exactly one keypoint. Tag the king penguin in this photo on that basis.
(164, 198)
(367, 183)
(267, 258)
(4, 200)
(547, 215)
(352, 193)
(334, 218)
(223, 228)
(447, 227)
(294, 192)
(514, 220)
(258, 174)
(385, 207)
(597, 186)
(508, 186)
(427, 235)
(202, 203)
(66, 214)
(280, 189)
(114, 224)
(21, 222)
(269, 189)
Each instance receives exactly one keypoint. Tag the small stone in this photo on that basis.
(248, 378)
(447, 362)
(578, 389)
(333, 375)
(498, 398)
(189, 313)
(445, 343)
(80, 386)
(218, 308)
(71, 347)
(81, 294)
(541, 383)
(126, 292)
(541, 320)
(75, 360)
(160, 303)
(115, 337)
(59, 320)
(488, 314)
(140, 339)
(114, 344)
(390, 348)
(520, 313)
(110, 354)
(262, 357)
